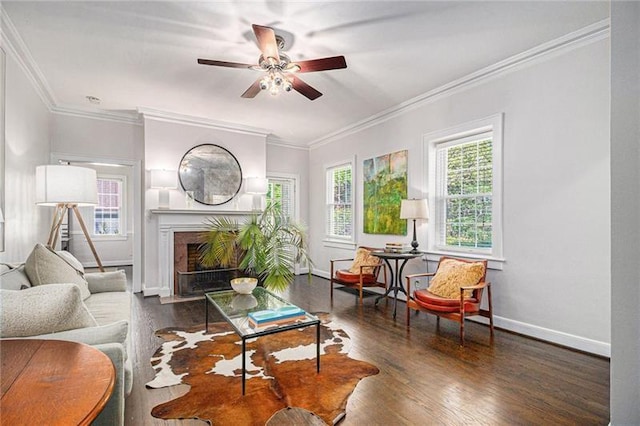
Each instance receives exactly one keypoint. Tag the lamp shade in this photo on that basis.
(256, 185)
(164, 179)
(414, 209)
(61, 184)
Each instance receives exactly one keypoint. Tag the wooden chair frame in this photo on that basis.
(460, 315)
(361, 284)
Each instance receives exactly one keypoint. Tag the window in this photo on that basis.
(465, 190)
(340, 202)
(107, 215)
(282, 192)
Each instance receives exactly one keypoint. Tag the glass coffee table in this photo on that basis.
(235, 309)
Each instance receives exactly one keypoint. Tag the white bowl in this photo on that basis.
(244, 285)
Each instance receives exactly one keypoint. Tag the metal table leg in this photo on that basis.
(244, 363)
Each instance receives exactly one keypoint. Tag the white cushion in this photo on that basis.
(43, 309)
(44, 266)
(71, 260)
(14, 278)
(111, 333)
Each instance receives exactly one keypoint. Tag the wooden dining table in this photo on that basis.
(53, 382)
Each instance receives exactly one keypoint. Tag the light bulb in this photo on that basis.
(264, 83)
(277, 80)
(287, 86)
(274, 90)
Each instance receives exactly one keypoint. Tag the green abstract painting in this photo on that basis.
(385, 185)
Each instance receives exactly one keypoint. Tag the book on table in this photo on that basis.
(282, 315)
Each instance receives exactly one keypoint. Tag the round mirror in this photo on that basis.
(212, 173)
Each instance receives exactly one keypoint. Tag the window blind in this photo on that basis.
(339, 202)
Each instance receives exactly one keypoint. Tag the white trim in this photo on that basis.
(336, 240)
(296, 202)
(346, 244)
(174, 117)
(566, 43)
(492, 262)
(554, 336)
(430, 142)
(124, 209)
(129, 118)
(275, 141)
(17, 48)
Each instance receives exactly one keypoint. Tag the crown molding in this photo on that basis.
(582, 37)
(13, 44)
(173, 117)
(121, 117)
(275, 141)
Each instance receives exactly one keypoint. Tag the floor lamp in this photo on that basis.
(414, 209)
(67, 188)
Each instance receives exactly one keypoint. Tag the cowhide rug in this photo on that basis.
(281, 372)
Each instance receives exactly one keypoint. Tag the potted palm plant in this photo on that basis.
(267, 245)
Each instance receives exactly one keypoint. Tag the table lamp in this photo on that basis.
(67, 188)
(163, 180)
(414, 209)
(257, 187)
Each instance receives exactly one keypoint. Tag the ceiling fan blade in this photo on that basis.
(267, 42)
(304, 89)
(253, 90)
(323, 64)
(224, 64)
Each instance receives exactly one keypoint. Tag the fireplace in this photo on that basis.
(191, 277)
(175, 230)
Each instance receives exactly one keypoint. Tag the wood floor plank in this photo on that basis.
(425, 377)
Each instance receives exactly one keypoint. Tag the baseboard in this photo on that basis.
(110, 263)
(558, 337)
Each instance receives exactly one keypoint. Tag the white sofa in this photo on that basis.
(51, 297)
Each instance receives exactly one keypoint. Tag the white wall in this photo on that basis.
(625, 213)
(556, 189)
(292, 161)
(165, 143)
(26, 146)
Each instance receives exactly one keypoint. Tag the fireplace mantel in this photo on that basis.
(170, 221)
(200, 212)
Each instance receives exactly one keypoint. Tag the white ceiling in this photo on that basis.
(143, 54)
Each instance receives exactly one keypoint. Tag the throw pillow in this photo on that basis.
(42, 309)
(363, 257)
(44, 266)
(14, 278)
(71, 260)
(453, 274)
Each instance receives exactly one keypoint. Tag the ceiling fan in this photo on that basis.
(280, 70)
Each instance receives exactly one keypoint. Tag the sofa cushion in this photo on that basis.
(436, 303)
(453, 274)
(100, 282)
(44, 266)
(42, 309)
(363, 257)
(110, 307)
(111, 333)
(14, 278)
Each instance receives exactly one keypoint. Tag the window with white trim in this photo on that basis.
(465, 171)
(282, 192)
(108, 214)
(339, 213)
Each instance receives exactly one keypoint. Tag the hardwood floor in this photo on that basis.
(425, 377)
